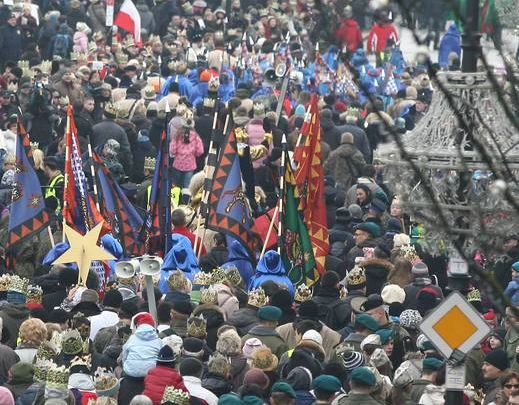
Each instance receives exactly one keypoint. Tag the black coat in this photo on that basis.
(377, 271)
(10, 43)
(332, 310)
(143, 149)
(108, 129)
(331, 134)
(215, 258)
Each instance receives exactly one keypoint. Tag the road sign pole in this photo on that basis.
(453, 397)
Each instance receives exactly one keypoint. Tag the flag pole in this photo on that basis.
(269, 232)
(167, 184)
(67, 161)
(51, 237)
(281, 188)
(92, 173)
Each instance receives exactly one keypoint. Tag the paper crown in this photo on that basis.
(409, 253)
(474, 295)
(40, 369)
(356, 276)
(78, 56)
(197, 327)
(202, 278)
(257, 298)
(57, 377)
(46, 66)
(92, 47)
(208, 296)
(35, 145)
(81, 361)
(149, 163)
(34, 293)
(128, 42)
(110, 109)
(303, 293)
(175, 396)
(241, 135)
(218, 275)
(234, 276)
(18, 284)
(121, 58)
(209, 102)
(5, 280)
(178, 281)
(106, 383)
(71, 342)
(46, 351)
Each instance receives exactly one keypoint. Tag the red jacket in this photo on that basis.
(157, 379)
(379, 35)
(349, 34)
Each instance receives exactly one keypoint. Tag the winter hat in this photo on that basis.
(403, 376)
(411, 93)
(497, 358)
(300, 378)
(427, 299)
(113, 299)
(355, 211)
(308, 310)
(6, 398)
(329, 279)
(372, 339)
(490, 315)
(356, 278)
(327, 383)
(313, 336)
(367, 321)
(401, 239)
(434, 364)
(363, 376)
(249, 347)
(269, 313)
(385, 335)
(410, 319)
(300, 111)
(393, 293)
(256, 376)
(166, 355)
(113, 147)
(420, 269)
(352, 359)
(379, 358)
(373, 301)
(369, 227)
(191, 367)
(219, 364)
(142, 318)
(499, 333)
(82, 27)
(515, 266)
(229, 343)
(394, 225)
(264, 359)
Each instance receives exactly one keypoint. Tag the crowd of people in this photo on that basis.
(231, 329)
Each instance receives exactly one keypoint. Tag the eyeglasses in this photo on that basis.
(511, 386)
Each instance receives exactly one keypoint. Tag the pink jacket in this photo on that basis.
(186, 153)
(80, 42)
(256, 134)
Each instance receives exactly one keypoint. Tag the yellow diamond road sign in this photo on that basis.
(454, 324)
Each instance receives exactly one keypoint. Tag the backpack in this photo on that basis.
(61, 45)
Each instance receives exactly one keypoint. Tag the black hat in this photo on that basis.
(192, 346)
(497, 358)
(113, 299)
(308, 310)
(373, 301)
(329, 279)
(342, 215)
(58, 316)
(394, 224)
(182, 307)
(190, 367)
(166, 355)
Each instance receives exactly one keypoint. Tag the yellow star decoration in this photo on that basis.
(83, 250)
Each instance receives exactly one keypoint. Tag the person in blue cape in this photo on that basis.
(270, 267)
(181, 256)
(226, 89)
(185, 87)
(239, 258)
(450, 42)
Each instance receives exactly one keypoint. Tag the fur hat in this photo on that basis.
(229, 343)
(264, 359)
(393, 293)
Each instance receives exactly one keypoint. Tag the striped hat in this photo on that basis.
(352, 359)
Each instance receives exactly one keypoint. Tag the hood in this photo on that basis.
(346, 150)
(112, 245)
(326, 123)
(237, 251)
(63, 29)
(271, 263)
(300, 378)
(453, 30)
(80, 381)
(146, 332)
(181, 255)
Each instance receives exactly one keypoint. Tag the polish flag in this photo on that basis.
(129, 19)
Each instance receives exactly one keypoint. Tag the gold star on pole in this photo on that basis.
(83, 250)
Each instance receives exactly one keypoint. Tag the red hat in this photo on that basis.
(205, 76)
(490, 315)
(340, 106)
(143, 318)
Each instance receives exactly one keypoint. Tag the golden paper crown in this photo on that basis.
(35, 145)
(303, 293)
(92, 47)
(23, 64)
(149, 163)
(474, 295)
(202, 278)
(197, 327)
(84, 361)
(110, 109)
(121, 58)
(46, 351)
(175, 396)
(257, 298)
(5, 280)
(241, 135)
(128, 42)
(356, 276)
(233, 275)
(46, 66)
(178, 281)
(218, 275)
(209, 102)
(34, 293)
(71, 342)
(409, 253)
(18, 284)
(41, 367)
(12, 87)
(77, 56)
(105, 381)
(57, 376)
(208, 296)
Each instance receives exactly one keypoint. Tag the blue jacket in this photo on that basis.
(185, 87)
(239, 258)
(512, 290)
(140, 352)
(181, 256)
(112, 245)
(270, 267)
(451, 42)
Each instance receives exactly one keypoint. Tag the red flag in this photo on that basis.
(79, 209)
(129, 19)
(310, 182)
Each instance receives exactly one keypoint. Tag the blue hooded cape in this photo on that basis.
(181, 256)
(451, 42)
(239, 258)
(270, 267)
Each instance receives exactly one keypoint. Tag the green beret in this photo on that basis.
(230, 399)
(327, 383)
(252, 400)
(432, 363)
(362, 376)
(367, 321)
(427, 345)
(369, 227)
(269, 313)
(385, 335)
(284, 388)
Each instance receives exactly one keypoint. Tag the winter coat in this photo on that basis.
(269, 337)
(360, 140)
(332, 310)
(434, 395)
(217, 384)
(226, 300)
(140, 352)
(214, 318)
(215, 258)
(270, 267)
(147, 19)
(158, 378)
(379, 35)
(239, 367)
(345, 164)
(77, 15)
(8, 358)
(108, 129)
(354, 398)
(28, 397)
(13, 315)
(185, 154)
(71, 90)
(349, 34)
(376, 271)
(106, 348)
(331, 133)
(330, 337)
(80, 42)
(143, 149)
(97, 14)
(244, 320)
(256, 135)
(239, 258)
(450, 42)
(10, 43)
